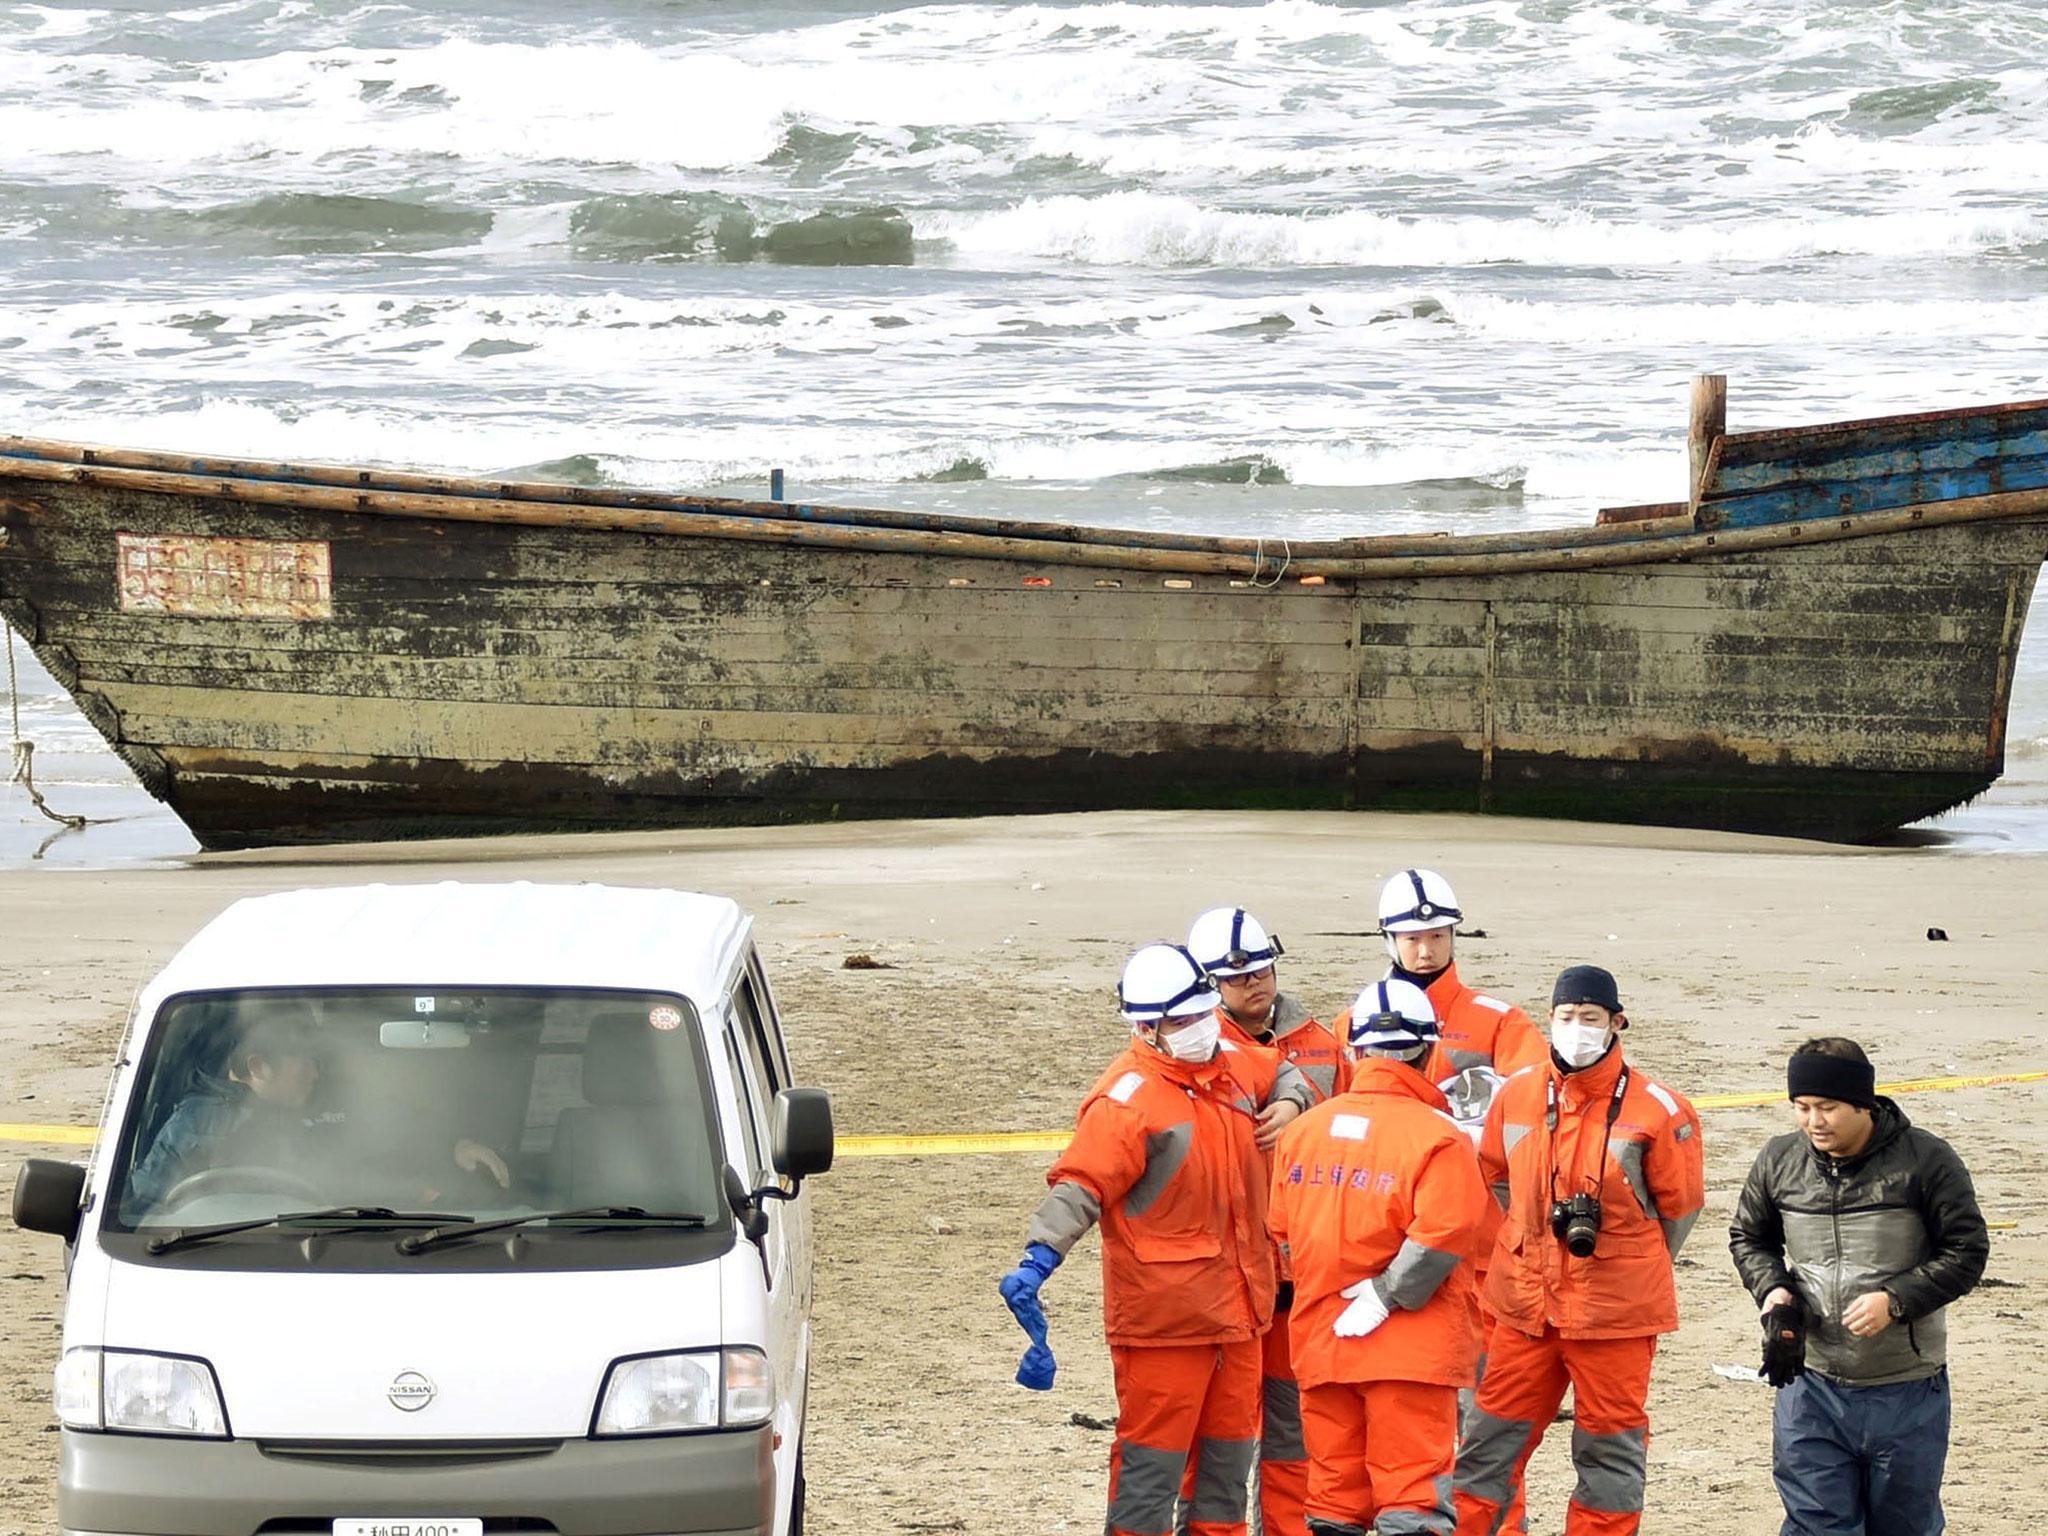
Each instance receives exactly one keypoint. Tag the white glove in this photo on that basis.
(1365, 1313)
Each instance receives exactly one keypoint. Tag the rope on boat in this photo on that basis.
(24, 751)
(1259, 560)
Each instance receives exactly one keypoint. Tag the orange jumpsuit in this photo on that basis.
(1283, 1454)
(1478, 1030)
(1589, 1323)
(1163, 1157)
(1380, 1183)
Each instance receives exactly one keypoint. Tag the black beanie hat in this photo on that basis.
(1586, 984)
(1810, 1074)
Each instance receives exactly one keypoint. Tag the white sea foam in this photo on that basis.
(44, 23)
(1151, 229)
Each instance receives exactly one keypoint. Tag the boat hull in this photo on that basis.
(456, 678)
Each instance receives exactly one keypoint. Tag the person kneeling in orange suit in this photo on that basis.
(1165, 1158)
(1379, 1203)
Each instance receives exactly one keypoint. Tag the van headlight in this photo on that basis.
(693, 1389)
(138, 1393)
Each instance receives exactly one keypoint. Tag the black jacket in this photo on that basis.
(1901, 1216)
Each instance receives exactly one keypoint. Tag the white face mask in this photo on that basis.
(1579, 1045)
(1193, 1042)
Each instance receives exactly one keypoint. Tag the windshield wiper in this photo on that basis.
(354, 1215)
(419, 1242)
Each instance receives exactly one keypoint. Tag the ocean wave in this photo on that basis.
(43, 23)
(318, 222)
(1154, 229)
(1750, 322)
(654, 227)
(660, 445)
(623, 228)
(864, 237)
(1239, 469)
(1907, 109)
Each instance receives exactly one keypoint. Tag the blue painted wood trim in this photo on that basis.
(1788, 501)
(1825, 441)
(1863, 461)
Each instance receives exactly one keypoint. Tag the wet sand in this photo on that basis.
(1005, 937)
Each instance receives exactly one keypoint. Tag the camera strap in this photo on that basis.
(1613, 1114)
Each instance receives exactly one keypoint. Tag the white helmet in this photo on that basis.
(1164, 981)
(1393, 1017)
(1417, 900)
(1229, 941)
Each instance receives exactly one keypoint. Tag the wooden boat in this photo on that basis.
(1819, 641)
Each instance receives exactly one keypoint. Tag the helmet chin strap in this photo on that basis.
(1420, 979)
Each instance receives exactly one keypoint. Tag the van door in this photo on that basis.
(759, 1068)
(775, 1053)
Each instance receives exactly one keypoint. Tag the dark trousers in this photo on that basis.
(1860, 1461)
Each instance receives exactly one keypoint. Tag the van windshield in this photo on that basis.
(479, 1103)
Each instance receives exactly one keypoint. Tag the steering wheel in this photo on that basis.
(240, 1178)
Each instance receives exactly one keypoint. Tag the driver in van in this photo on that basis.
(261, 1113)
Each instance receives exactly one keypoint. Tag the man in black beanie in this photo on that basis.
(1854, 1233)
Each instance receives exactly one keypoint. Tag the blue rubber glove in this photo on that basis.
(1020, 1291)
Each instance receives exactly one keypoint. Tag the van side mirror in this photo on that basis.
(49, 1196)
(800, 1133)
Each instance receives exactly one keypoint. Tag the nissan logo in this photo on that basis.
(410, 1392)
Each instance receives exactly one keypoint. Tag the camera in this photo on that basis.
(1577, 1221)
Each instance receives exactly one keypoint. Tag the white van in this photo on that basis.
(439, 1211)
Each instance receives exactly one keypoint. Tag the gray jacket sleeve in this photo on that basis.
(1063, 1218)
(1414, 1276)
(1955, 1231)
(1291, 1087)
(1757, 1235)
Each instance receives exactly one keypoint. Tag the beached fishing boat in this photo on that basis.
(1819, 641)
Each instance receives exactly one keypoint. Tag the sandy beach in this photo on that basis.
(1004, 938)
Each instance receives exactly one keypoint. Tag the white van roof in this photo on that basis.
(456, 934)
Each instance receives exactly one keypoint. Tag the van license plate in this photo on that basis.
(413, 1525)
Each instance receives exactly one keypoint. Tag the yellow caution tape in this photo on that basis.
(1912, 1085)
(1055, 1141)
(50, 1135)
(951, 1146)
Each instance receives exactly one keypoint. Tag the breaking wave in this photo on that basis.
(310, 222)
(1155, 229)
